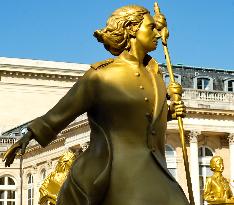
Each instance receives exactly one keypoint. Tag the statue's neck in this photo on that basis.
(218, 174)
(137, 51)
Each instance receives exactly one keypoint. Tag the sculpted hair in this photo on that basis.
(120, 27)
(213, 162)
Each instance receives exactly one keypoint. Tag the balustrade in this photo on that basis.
(208, 95)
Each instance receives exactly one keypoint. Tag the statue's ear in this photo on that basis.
(131, 29)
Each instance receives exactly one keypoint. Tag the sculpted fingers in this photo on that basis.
(20, 145)
(180, 109)
(9, 156)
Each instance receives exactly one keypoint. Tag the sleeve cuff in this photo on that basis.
(42, 132)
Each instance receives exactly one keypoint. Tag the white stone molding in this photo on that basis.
(49, 67)
(194, 165)
(49, 164)
(193, 135)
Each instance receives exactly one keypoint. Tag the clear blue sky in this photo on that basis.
(201, 31)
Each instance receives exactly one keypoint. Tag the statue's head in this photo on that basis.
(65, 161)
(120, 28)
(216, 164)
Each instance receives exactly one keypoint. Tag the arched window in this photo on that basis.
(203, 83)
(7, 191)
(204, 154)
(30, 189)
(229, 85)
(171, 159)
(166, 78)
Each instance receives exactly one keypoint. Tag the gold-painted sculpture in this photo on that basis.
(52, 184)
(126, 102)
(217, 188)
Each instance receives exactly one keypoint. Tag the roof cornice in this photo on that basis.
(27, 66)
(211, 112)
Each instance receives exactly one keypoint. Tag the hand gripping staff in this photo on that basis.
(175, 91)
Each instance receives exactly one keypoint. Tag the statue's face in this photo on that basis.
(147, 35)
(219, 167)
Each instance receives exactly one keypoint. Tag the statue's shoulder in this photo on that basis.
(102, 64)
(210, 179)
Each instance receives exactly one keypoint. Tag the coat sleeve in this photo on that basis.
(78, 100)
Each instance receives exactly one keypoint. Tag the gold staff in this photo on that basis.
(175, 91)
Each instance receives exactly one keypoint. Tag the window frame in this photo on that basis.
(226, 84)
(30, 189)
(171, 160)
(210, 85)
(6, 187)
(177, 78)
(204, 163)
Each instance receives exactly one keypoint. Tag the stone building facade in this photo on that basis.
(28, 88)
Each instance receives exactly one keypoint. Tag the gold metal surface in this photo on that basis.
(175, 92)
(51, 186)
(126, 103)
(217, 188)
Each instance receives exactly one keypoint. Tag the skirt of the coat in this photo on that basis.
(140, 185)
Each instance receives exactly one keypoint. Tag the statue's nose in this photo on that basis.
(158, 35)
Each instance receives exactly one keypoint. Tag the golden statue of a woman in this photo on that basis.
(125, 100)
(217, 188)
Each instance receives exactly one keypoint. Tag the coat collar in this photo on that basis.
(148, 61)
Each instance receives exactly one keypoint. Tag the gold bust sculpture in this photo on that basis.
(51, 186)
(217, 188)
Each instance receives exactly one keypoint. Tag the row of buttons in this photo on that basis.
(137, 74)
(148, 115)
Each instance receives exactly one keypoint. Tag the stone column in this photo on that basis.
(231, 150)
(194, 165)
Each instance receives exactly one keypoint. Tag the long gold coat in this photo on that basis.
(127, 112)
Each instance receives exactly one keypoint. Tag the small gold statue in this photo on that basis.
(50, 187)
(217, 189)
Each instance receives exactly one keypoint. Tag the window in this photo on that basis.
(166, 78)
(171, 159)
(7, 191)
(204, 154)
(229, 85)
(203, 83)
(30, 189)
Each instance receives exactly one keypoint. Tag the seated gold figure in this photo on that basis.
(51, 186)
(217, 189)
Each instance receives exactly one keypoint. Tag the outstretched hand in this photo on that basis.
(18, 148)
